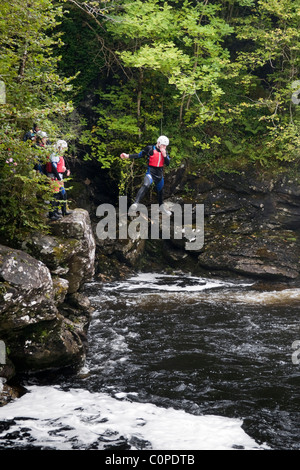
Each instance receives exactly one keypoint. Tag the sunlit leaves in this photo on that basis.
(35, 92)
(222, 73)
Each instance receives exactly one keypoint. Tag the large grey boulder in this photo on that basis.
(36, 334)
(43, 316)
(69, 249)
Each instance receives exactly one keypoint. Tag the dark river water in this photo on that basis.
(174, 362)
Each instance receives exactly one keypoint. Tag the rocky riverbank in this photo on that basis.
(44, 317)
(252, 224)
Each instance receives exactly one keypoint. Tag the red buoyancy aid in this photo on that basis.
(61, 165)
(156, 159)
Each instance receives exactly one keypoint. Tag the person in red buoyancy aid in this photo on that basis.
(55, 168)
(157, 157)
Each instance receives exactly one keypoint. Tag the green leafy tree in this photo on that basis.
(34, 93)
(172, 60)
(275, 62)
(259, 121)
(215, 76)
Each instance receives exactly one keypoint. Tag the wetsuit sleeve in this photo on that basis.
(167, 160)
(143, 153)
(27, 136)
(55, 172)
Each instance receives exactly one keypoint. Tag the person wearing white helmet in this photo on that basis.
(42, 138)
(42, 134)
(61, 145)
(157, 157)
(40, 142)
(56, 164)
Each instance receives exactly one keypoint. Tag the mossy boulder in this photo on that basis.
(43, 317)
(69, 250)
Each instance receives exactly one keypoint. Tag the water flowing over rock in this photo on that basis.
(43, 316)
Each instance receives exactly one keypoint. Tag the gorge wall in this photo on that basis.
(252, 224)
(251, 228)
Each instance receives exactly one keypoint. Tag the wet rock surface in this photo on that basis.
(251, 228)
(43, 316)
(251, 224)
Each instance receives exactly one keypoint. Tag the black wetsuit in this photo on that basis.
(154, 172)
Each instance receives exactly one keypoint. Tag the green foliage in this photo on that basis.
(35, 93)
(266, 71)
(79, 52)
(216, 77)
(27, 63)
(227, 69)
(184, 44)
(23, 190)
(169, 58)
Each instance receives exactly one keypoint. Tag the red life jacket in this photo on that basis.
(156, 159)
(61, 165)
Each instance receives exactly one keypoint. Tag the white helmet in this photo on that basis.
(61, 144)
(163, 140)
(41, 134)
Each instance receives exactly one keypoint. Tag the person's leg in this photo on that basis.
(160, 188)
(143, 190)
(63, 199)
(53, 213)
(160, 195)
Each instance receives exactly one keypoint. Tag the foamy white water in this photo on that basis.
(76, 418)
(177, 283)
(191, 288)
(126, 313)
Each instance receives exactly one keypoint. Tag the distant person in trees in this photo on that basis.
(56, 169)
(31, 134)
(40, 141)
(157, 157)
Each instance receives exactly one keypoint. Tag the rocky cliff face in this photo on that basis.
(43, 316)
(251, 228)
(251, 224)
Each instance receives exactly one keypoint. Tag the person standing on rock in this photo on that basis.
(157, 157)
(40, 142)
